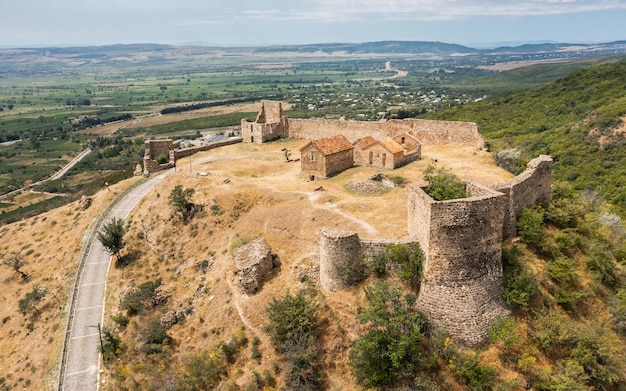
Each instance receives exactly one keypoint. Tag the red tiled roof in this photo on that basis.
(331, 145)
(392, 146)
(365, 141)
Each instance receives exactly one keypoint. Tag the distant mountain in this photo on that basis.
(144, 52)
(382, 47)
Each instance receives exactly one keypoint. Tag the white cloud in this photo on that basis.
(426, 10)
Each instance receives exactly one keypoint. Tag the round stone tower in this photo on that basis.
(341, 261)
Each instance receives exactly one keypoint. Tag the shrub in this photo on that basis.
(155, 337)
(180, 200)
(410, 258)
(379, 265)
(601, 264)
(389, 349)
(292, 330)
(443, 184)
(520, 285)
(111, 344)
(29, 302)
(290, 318)
(204, 370)
(530, 225)
(138, 300)
(477, 377)
(162, 159)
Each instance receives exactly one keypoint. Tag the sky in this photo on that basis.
(475, 23)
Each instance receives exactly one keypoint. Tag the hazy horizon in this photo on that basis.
(41, 23)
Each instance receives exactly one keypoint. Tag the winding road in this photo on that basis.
(80, 357)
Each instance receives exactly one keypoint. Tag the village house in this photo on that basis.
(326, 157)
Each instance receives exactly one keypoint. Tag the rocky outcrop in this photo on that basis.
(254, 263)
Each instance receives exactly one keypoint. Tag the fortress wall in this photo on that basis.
(462, 239)
(426, 131)
(154, 148)
(526, 190)
(419, 216)
(466, 311)
(344, 257)
(180, 153)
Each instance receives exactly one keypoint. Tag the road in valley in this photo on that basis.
(80, 358)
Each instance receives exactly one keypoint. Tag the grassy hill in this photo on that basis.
(578, 120)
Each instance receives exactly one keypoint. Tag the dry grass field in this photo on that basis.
(248, 191)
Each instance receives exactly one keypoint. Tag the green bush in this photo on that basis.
(410, 258)
(291, 318)
(530, 225)
(292, 329)
(477, 377)
(442, 184)
(162, 159)
(520, 284)
(602, 266)
(138, 300)
(390, 347)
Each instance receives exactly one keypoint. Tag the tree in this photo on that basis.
(16, 261)
(180, 200)
(389, 348)
(112, 236)
(28, 302)
(443, 184)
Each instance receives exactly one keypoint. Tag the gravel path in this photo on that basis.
(80, 359)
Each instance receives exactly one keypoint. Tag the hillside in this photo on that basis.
(578, 120)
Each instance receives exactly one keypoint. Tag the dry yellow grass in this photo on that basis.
(30, 346)
(262, 195)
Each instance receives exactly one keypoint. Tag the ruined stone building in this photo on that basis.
(326, 157)
(270, 124)
(462, 285)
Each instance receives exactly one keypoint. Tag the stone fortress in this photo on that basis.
(462, 286)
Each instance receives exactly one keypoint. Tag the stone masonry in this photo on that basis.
(253, 262)
(271, 124)
(462, 287)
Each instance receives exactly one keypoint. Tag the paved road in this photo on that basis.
(81, 356)
(68, 166)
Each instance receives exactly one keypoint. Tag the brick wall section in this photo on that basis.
(462, 239)
(426, 131)
(526, 190)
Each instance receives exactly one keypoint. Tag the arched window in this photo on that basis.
(371, 157)
(384, 159)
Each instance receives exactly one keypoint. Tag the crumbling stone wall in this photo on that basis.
(426, 131)
(462, 240)
(253, 262)
(525, 190)
(153, 149)
(344, 257)
(180, 153)
(270, 124)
